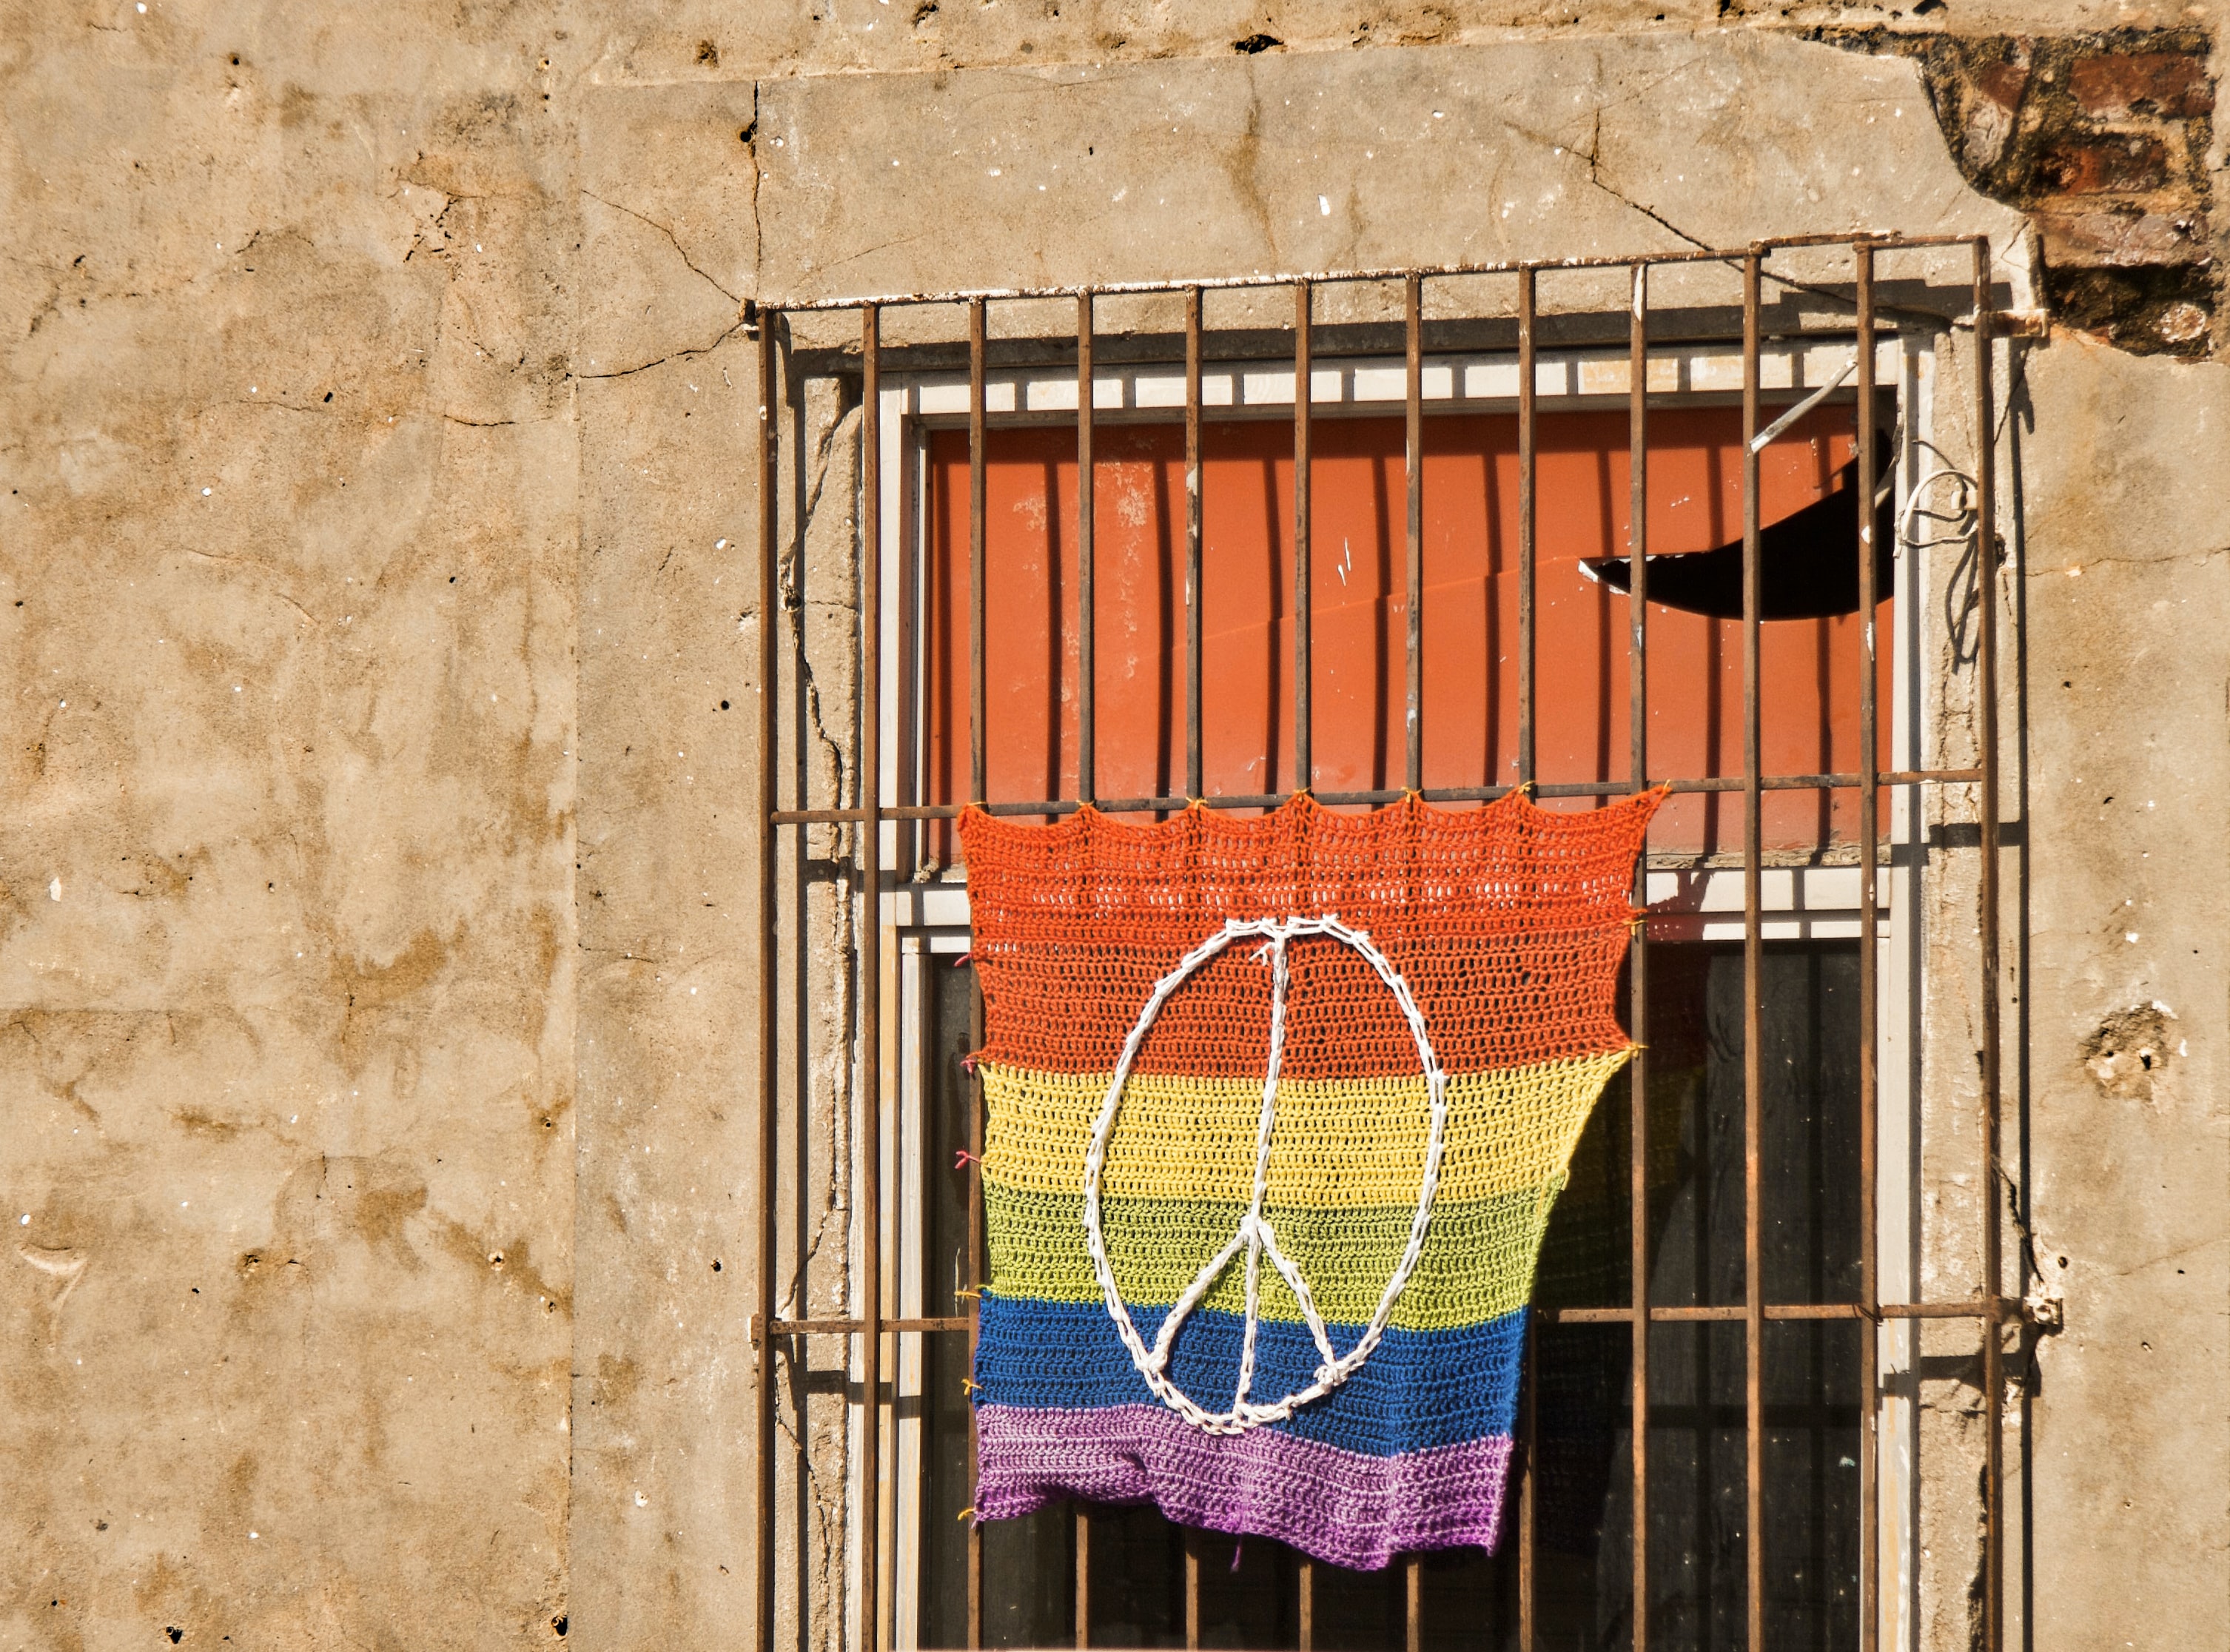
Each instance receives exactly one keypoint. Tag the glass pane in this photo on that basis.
(1358, 601)
(1028, 1564)
(1809, 1243)
(944, 1621)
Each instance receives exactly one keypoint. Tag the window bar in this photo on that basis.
(1413, 1612)
(1753, 971)
(1087, 680)
(1368, 273)
(1526, 776)
(1986, 717)
(1192, 590)
(976, 1271)
(1192, 567)
(1525, 475)
(1304, 766)
(1083, 1574)
(1307, 1585)
(1637, 700)
(769, 689)
(1414, 770)
(870, 785)
(1869, 1002)
(1526, 1441)
(1192, 1588)
(1690, 785)
(976, 789)
(1734, 1313)
(1086, 613)
(909, 586)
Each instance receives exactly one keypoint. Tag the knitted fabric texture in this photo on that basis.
(1505, 927)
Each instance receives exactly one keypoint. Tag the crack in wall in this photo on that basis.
(818, 597)
(814, 1439)
(829, 913)
(1592, 155)
(695, 268)
(672, 355)
(751, 152)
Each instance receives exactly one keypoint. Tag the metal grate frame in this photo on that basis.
(871, 1326)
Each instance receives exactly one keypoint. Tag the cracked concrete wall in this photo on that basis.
(379, 887)
(2126, 575)
(288, 948)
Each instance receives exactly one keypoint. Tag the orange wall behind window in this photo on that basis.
(1810, 667)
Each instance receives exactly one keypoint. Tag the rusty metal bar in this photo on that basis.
(1753, 982)
(769, 962)
(1303, 763)
(870, 785)
(1307, 1585)
(978, 347)
(1637, 733)
(1413, 1603)
(1087, 675)
(2009, 1311)
(1526, 468)
(975, 1314)
(1192, 547)
(1192, 1588)
(1413, 683)
(1730, 1312)
(1526, 1443)
(1526, 419)
(1986, 717)
(1375, 273)
(1083, 1520)
(1869, 1001)
(1435, 794)
(843, 1327)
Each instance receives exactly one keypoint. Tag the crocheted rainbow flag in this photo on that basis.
(1276, 1109)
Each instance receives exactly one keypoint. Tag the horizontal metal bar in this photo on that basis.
(2008, 1308)
(1431, 795)
(1453, 407)
(1390, 273)
(852, 1327)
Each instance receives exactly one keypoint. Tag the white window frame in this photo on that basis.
(924, 921)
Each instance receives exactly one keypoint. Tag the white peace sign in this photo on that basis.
(1255, 1232)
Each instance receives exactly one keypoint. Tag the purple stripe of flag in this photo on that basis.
(1340, 1507)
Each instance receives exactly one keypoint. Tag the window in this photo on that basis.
(1460, 635)
(1583, 1430)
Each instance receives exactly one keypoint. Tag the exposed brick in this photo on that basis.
(2004, 81)
(2150, 310)
(2113, 88)
(2105, 164)
(2098, 138)
(2096, 238)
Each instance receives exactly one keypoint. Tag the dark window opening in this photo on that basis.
(1585, 1513)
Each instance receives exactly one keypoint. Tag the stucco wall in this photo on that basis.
(378, 874)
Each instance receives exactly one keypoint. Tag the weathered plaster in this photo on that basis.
(1317, 162)
(334, 883)
(2128, 686)
(289, 944)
